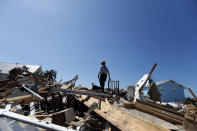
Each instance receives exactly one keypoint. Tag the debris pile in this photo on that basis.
(41, 101)
(36, 101)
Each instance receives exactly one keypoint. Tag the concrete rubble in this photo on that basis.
(32, 101)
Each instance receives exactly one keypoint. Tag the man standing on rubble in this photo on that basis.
(103, 75)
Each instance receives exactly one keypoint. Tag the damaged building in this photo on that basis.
(47, 104)
(171, 91)
(6, 67)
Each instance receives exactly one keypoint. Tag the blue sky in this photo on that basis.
(73, 36)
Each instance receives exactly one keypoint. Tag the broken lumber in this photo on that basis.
(120, 119)
(158, 111)
(160, 115)
(192, 93)
(15, 99)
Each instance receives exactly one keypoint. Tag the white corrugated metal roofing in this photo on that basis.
(6, 67)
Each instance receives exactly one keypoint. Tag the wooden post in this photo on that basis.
(192, 94)
(17, 98)
(153, 68)
(118, 88)
(114, 87)
(99, 105)
(107, 126)
(108, 85)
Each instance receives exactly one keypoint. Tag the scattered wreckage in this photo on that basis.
(30, 101)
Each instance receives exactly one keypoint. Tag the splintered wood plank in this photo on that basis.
(160, 115)
(161, 112)
(164, 112)
(121, 119)
(18, 98)
(192, 93)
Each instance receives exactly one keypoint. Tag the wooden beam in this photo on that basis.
(121, 119)
(153, 68)
(166, 114)
(18, 98)
(192, 94)
(160, 115)
(161, 107)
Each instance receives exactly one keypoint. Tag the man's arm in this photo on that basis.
(108, 73)
(99, 73)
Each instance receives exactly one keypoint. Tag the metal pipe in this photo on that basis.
(33, 121)
(35, 94)
(68, 91)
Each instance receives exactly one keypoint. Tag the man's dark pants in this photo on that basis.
(102, 80)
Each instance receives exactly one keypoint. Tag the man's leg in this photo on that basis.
(102, 84)
(102, 81)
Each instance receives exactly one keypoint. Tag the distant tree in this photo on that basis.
(50, 75)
